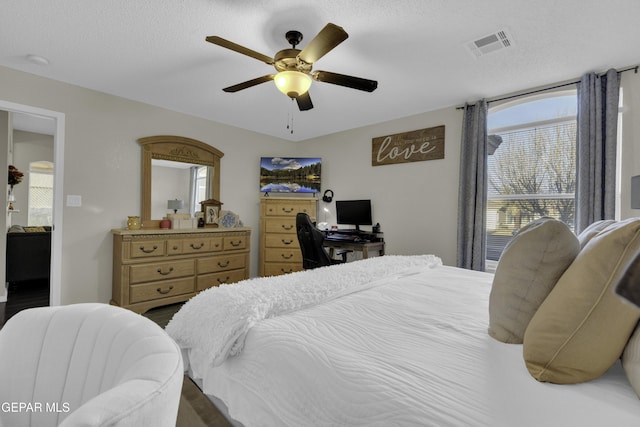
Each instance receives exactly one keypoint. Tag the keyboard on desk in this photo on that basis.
(344, 237)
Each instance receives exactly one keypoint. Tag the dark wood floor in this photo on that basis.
(34, 293)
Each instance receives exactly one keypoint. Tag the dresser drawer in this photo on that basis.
(276, 240)
(174, 247)
(147, 249)
(292, 208)
(234, 242)
(161, 271)
(280, 225)
(278, 268)
(283, 255)
(215, 279)
(217, 244)
(160, 290)
(221, 263)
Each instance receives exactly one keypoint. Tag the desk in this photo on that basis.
(363, 247)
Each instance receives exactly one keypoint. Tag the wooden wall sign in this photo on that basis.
(414, 146)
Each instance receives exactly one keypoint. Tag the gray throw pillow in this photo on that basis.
(527, 271)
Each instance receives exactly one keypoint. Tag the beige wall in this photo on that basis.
(415, 203)
(102, 164)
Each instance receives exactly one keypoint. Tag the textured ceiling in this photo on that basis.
(155, 52)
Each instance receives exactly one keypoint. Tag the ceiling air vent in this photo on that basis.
(490, 43)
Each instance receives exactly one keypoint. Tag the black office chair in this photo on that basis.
(311, 244)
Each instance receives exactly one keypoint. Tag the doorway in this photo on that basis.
(46, 122)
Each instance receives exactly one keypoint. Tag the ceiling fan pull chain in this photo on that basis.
(290, 118)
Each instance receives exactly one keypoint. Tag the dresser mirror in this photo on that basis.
(182, 159)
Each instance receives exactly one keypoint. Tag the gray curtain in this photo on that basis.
(472, 194)
(596, 147)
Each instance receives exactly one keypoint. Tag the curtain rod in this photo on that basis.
(504, 98)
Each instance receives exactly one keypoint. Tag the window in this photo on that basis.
(200, 180)
(531, 165)
(40, 194)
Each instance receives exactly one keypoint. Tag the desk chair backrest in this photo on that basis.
(311, 243)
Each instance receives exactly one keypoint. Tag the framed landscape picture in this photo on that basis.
(290, 174)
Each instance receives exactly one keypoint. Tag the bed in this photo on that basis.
(395, 340)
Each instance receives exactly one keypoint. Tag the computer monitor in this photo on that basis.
(354, 212)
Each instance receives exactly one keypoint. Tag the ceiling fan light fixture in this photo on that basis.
(292, 83)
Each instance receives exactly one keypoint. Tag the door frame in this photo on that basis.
(55, 284)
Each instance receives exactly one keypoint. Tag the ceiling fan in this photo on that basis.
(294, 66)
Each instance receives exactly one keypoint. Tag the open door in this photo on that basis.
(45, 122)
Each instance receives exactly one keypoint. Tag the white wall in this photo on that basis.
(5, 141)
(169, 183)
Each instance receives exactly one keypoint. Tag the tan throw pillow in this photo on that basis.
(582, 327)
(592, 230)
(528, 269)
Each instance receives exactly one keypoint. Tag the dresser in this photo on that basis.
(156, 267)
(279, 248)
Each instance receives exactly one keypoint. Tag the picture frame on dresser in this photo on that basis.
(211, 210)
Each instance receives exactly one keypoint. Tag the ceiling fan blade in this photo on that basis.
(347, 81)
(240, 49)
(304, 102)
(249, 83)
(328, 38)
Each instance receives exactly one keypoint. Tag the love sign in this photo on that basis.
(414, 146)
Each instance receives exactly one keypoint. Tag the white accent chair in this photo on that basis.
(87, 365)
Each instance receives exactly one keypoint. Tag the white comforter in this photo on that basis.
(411, 351)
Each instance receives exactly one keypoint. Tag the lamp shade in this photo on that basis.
(175, 204)
(292, 83)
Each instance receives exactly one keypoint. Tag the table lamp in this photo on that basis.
(175, 204)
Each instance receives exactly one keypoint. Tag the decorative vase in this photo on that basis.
(165, 223)
(133, 222)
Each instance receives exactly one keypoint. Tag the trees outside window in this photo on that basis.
(531, 166)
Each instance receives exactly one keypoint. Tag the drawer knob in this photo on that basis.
(287, 242)
(225, 264)
(285, 272)
(287, 256)
(148, 250)
(287, 210)
(160, 291)
(287, 227)
(236, 243)
(221, 281)
(193, 246)
(164, 273)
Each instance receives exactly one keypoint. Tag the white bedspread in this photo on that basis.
(413, 351)
(233, 309)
